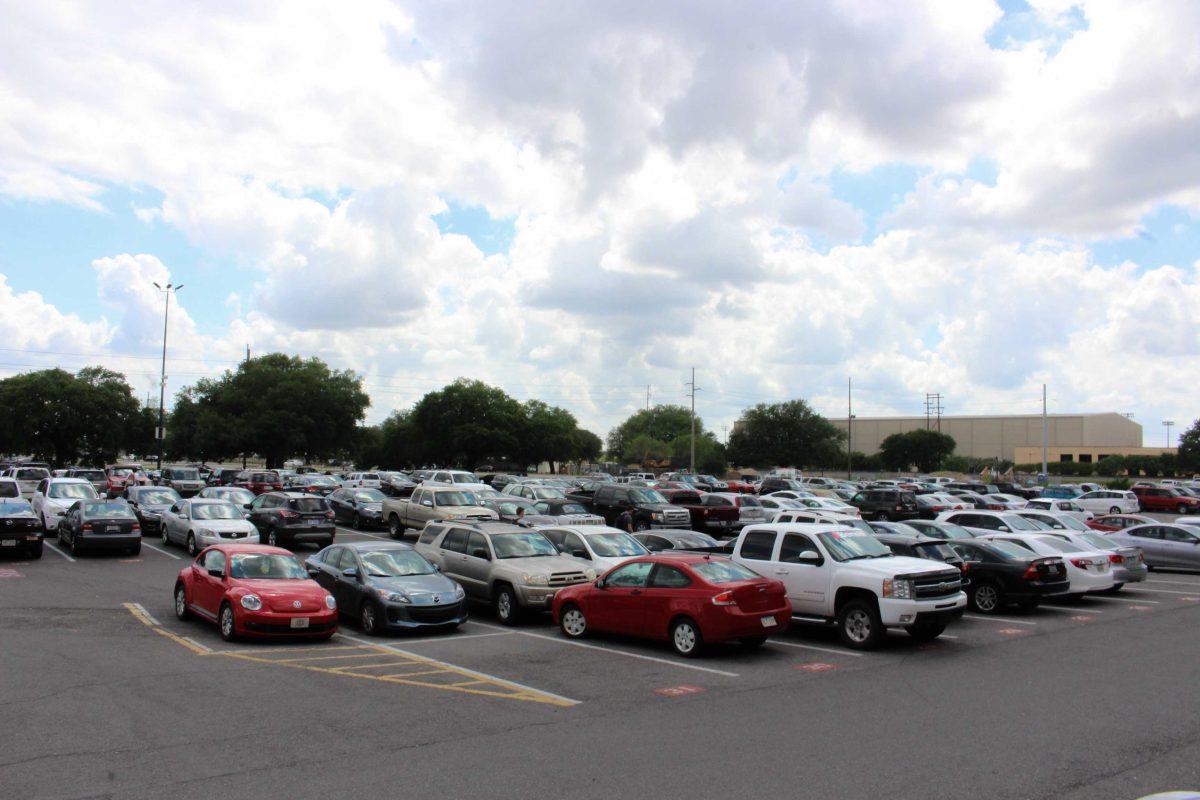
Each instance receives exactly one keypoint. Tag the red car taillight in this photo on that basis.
(1116, 558)
(1082, 563)
(724, 599)
(137, 526)
(328, 515)
(1031, 574)
(87, 526)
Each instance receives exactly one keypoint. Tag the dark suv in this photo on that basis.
(650, 509)
(885, 504)
(768, 485)
(285, 518)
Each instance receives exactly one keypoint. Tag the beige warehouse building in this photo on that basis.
(1082, 437)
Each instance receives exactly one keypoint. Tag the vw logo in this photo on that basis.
(437, 599)
(295, 604)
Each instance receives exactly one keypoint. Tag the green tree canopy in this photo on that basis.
(923, 448)
(660, 425)
(1188, 460)
(785, 434)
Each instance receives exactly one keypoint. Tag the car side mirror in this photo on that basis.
(427, 502)
(436, 568)
(350, 572)
(654, 548)
(579, 553)
(1004, 528)
(311, 570)
(809, 557)
(600, 584)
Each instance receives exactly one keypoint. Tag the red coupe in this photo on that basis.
(689, 600)
(254, 590)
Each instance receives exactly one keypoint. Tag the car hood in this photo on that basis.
(465, 511)
(899, 565)
(421, 588)
(224, 525)
(282, 595)
(543, 564)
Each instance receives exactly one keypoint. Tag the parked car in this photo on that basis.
(983, 523)
(260, 481)
(432, 502)
(1004, 573)
(20, 529)
(1108, 501)
(53, 496)
(1088, 570)
(459, 478)
(1163, 545)
(28, 478)
(359, 508)
(599, 547)
(1004, 502)
(841, 575)
(918, 546)
(666, 539)
(291, 518)
(688, 600)
(1128, 563)
(312, 483)
(397, 484)
(226, 476)
(1056, 504)
(534, 491)
(649, 507)
(237, 495)
(253, 590)
(149, 503)
(199, 523)
(1062, 491)
(1117, 522)
(1162, 498)
(931, 504)
(96, 477)
(828, 504)
(565, 512)
(514, 569)
(972, 499)
(388, 586)
(940, 529)
(516, 510)
(185, 480)
(772, 505)
(96, 524)
(771, 484)
(886, 504)
(705, 516)
(749, 508)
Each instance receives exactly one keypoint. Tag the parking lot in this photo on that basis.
(108, 695)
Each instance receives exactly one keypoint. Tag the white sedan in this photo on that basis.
(1108, 501)
(1058, 504)
(1089, 570)
(199, 523)
(54, 497)
(601, 547)
(828, 504)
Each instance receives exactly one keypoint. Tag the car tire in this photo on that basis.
(181, 609)
(686, 638)
(162, 532)
(73, 546)
(926, 632)
(1181, 510)
(395, 527)
(573, 622)
(1116, 588)
(505, 604)
(753, 642)
(1114, 510)
(368, 619)
(882, 516)
(193, 551)
(986, 597)
(35, 552)
(225, 623)
(859, 625)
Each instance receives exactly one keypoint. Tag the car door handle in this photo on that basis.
(781, 572)
(635, 592)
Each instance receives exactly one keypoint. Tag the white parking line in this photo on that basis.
(457, 668)
(455, 637)
(1124, 599)
(574, 643)
(814, 647)
(1175, 583)
(1072, 610)
(352, 532)
(1163, 591)
(56, 550)
(1009, 620)
(160, 550)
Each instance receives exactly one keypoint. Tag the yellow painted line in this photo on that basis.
(412, 674)
(392, 663)
(314, 658)
(141, 616)
(467, 683)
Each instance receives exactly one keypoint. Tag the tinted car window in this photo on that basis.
(309, 504)
(793, 545)
(758, 545)
(456, 541)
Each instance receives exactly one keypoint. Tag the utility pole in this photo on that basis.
(161, 433)
(1167, 423)
(849, 429)
(693, 390)
(1043, 429)
(647, 397)
(247, 353)
(933, 407)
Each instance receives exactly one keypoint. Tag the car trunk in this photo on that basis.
(758, 595)
(109, 525)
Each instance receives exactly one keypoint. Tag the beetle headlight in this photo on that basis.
(251, 602)
(330, 603)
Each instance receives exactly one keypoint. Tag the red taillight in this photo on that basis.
(899, 507)
(1116, 558)
(724, 599)
(1082, 563)
(966, 566)
(137, 526)
(994, 507)
(87, 526)
(1031, 574)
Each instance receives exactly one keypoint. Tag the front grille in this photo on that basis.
(233, 534)
(932, 587)
(566, 578)
(434, 614)
(677, 516)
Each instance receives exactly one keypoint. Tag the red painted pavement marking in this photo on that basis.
(679, 691)
(816, 666)
(10, 573)
(131, 560)
(1011, 631)
(1190, 599)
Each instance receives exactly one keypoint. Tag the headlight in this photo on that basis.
(459, 594)
(656, 516)
(395, 597)
(898, 589)
(251, 602)
(330, 603)
(590, 574)
(535, 580)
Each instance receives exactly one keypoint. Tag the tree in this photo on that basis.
(924, 448)
(466, 423)
(785, 434)
(586, 446)
(64, 418)
(548, 435)
(663, 424)
(1188, 458)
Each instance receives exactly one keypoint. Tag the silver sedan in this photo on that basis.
(1165, 546)
(199, 523)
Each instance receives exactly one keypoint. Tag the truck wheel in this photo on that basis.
(395, 527)
(686, 638)
(985, 597)
(926, 631)
(505, 603)
(859, 625)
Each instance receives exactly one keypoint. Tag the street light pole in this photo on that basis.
(160, 433)
(1167, 423)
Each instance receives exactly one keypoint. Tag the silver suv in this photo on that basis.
(512, 568)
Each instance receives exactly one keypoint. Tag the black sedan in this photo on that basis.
(149, 502)
(100, 525)
(661, 539)
(1004, 573)
(20, 529)
(360, 508)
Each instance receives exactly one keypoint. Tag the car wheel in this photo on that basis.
(35, 552)
(74, 547)
(368, 619)
(1116, 588)
(985, 597)
(356, 522)
(506, 606)
(181, 609)
(859, 625)
(395, 528)
(573, 622)
(754, 642)
(685, 638)
(162, 532)
(1114, 510)
(1181, 510)
(926, 631)
(882, 516)
(191, 545)
(225, 622)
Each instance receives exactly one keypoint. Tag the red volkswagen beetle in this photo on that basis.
(254, 590)
(687, 599)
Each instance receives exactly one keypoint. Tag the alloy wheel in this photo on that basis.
(368, 618)
(504, 606)
(574, 624)
(227, 622)
(986, 598)
(180, 602)
(858, 626)
(162, 532)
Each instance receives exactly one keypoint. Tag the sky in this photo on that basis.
(580, 202)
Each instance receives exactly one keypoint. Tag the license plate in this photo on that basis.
(8, 543)
(113, 528)
(300, 622)
(768, 622)
(312, 523)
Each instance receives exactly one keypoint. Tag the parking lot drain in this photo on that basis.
(679, 691)
(816, 666)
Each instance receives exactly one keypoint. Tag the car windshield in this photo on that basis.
(647, 496)
(89, 474)
(454, 499)
(953, 531)
(724, 572)
(215, 511)
(117, 508)
(76, 491)
(184, 474)
(463, 477)
(522, 545)
(1097, 541)
(241, 496)
(1073, 523)
(163, 497)
(852, 544)
(395, 563)
(15, 508)
(692, 540)
(120, 472)
(548, 493)
(32, 474)
(609, 545)
(572, 508)
(266, 566)
(265, 477)
(368, 496)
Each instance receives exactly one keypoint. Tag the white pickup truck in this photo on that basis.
(838, 574)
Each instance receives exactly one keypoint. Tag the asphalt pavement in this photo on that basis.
(106, 694)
